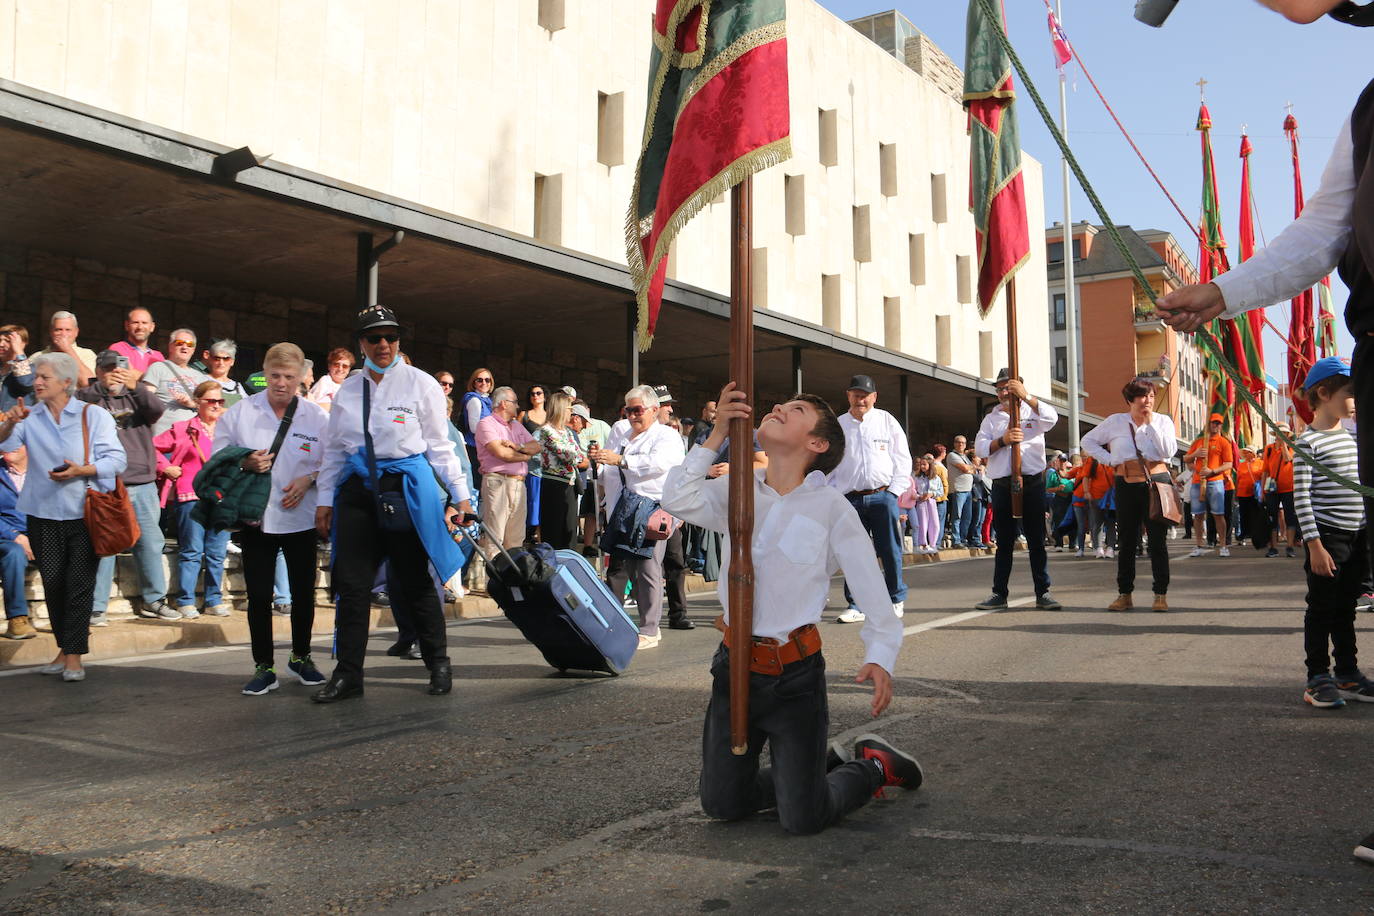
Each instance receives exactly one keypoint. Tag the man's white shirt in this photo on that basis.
(876, 454)
(1034, 424)
(800, 541)
(647, 459)
(408, 417)
(251, 423)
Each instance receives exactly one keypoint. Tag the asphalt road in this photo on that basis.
(1076, 762)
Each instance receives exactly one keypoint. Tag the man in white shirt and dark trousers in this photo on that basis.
(876, 469)
(995, 438)
(803, 532)
(379, 475)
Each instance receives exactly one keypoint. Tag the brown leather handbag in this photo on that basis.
(1164, 503)
(110, 518)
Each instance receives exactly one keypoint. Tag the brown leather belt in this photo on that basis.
(865, 492)
(769, 656)
(504, 474)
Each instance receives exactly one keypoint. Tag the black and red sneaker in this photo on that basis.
(899, 769)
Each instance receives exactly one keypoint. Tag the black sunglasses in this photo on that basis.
(378, 338)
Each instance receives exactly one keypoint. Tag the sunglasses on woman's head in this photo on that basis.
(378, 338)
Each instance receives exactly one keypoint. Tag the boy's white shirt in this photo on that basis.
(800, 540)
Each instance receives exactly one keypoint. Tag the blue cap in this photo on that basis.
(1326, 367)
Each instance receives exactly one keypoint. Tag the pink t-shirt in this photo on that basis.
(493, 427)
(139, 360)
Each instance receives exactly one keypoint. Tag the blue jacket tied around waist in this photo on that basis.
(426, 502)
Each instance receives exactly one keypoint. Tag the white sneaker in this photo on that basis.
(1197, 552)
(1111, 553)
(1079, 553)
(233, 549)
(99, 620)
(1101, 553)
(188, 611)
(1224, 552)
(899, 608)
(851, 615)
(218, 610)
(649, 642)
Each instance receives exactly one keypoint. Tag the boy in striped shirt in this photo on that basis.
(1331, 519)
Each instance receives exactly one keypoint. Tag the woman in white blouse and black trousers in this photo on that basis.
(1115, 442)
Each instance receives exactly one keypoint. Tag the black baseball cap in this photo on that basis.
(109, 359)
(664, 397)
(862, 383)
(375, 316)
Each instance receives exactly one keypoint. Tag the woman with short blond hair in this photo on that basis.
(288, 522)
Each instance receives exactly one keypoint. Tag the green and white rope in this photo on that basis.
(1208, 341)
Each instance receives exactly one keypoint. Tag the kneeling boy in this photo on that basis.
(803, 531)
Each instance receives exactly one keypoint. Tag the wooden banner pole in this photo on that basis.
(741, 630)
(1014, 369)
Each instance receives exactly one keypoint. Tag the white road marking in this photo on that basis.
(960, 618)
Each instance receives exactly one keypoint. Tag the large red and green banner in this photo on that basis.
(1212, 261)
(717, 113)
(997, 194)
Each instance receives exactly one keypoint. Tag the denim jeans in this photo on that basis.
(878, 512)
(198, 547)
(13, 562)
(152, 575)
(942, 508)
(790, 713)
(975, 528)
(1032, 523)
(961, 514)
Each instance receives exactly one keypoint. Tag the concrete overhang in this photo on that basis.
(83, 181)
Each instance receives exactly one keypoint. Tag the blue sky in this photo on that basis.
(1254, 61)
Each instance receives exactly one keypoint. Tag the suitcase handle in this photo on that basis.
(461, 532)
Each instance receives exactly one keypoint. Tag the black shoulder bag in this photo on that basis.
(393, 515)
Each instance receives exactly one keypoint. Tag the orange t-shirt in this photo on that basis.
(1219, 453)
(1249, 472)
(1278, 464)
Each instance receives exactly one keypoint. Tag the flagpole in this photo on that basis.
(741, 523)
(1014, 370)
(1070, 292)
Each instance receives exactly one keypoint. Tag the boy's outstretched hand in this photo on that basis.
(882, 685)
(729, 405)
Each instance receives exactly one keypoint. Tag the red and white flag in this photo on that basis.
(1062, 52)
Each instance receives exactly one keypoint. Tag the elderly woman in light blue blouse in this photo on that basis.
(54, 497)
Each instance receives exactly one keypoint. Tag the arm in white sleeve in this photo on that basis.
(690, 496)
(1045, 417)
(473, 410)
(853, 552)
(332, 465)
(1095, 442)
(1307, 250)
(982, 443)
(438, 447)
(1161, 439)
(901, 460)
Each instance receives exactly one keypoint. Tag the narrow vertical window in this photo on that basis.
(610, 128)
